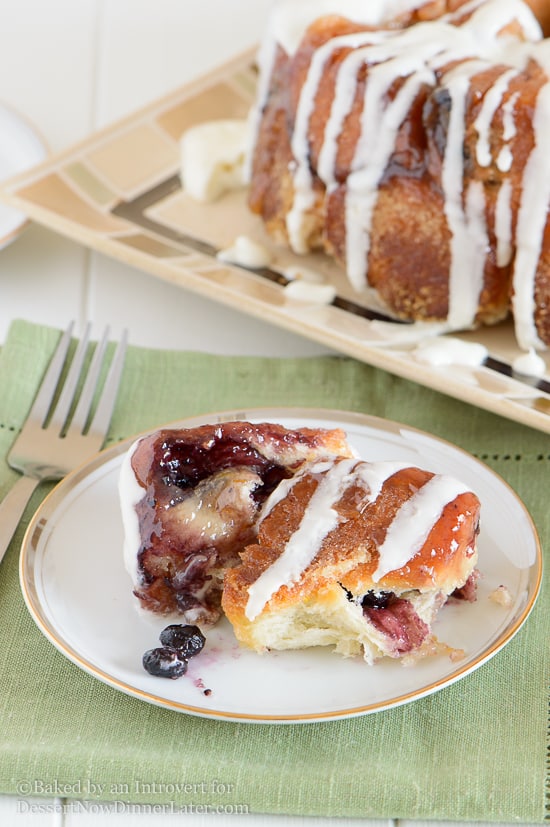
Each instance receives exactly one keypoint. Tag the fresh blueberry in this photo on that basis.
(188, 640)
(165, 662)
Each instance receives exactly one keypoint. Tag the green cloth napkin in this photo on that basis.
(476, 750)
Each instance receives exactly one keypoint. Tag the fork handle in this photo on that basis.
(12, 508)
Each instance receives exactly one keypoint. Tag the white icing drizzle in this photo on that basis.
(318, 520)
(503, 224)
(505, 157)
(309, 293)
(415, 55)
(529, 364)
(304, 196)
(246, 252)
(440, 351)
(380, 123)
(344, 96)
(265, 58)
(290, 18)
(469, 241)
(490, 18)
(373, 475)
(285, 486)
(413, 522)
(465, 217)
(532, 217)
(130, 494)
(482, 124)
(296, 273)
(508, 121)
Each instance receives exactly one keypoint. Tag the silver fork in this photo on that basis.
(54, 442)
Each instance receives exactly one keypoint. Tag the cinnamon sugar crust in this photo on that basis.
(325, 604)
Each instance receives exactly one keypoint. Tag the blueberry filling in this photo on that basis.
(177, 556)
(184, 465)
(395, 617)
(370, 600)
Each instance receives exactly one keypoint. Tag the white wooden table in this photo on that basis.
(71, 67)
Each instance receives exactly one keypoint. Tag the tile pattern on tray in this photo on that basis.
(119, 192)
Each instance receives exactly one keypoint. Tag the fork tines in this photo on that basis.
(63, 416)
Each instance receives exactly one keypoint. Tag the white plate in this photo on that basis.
(78, 592)
(20, 149)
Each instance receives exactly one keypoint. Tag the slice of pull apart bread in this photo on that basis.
(355, 555)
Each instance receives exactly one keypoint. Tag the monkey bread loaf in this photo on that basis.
(408, 141)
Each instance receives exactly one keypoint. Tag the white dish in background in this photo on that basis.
(78, 592)
(20, 149)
